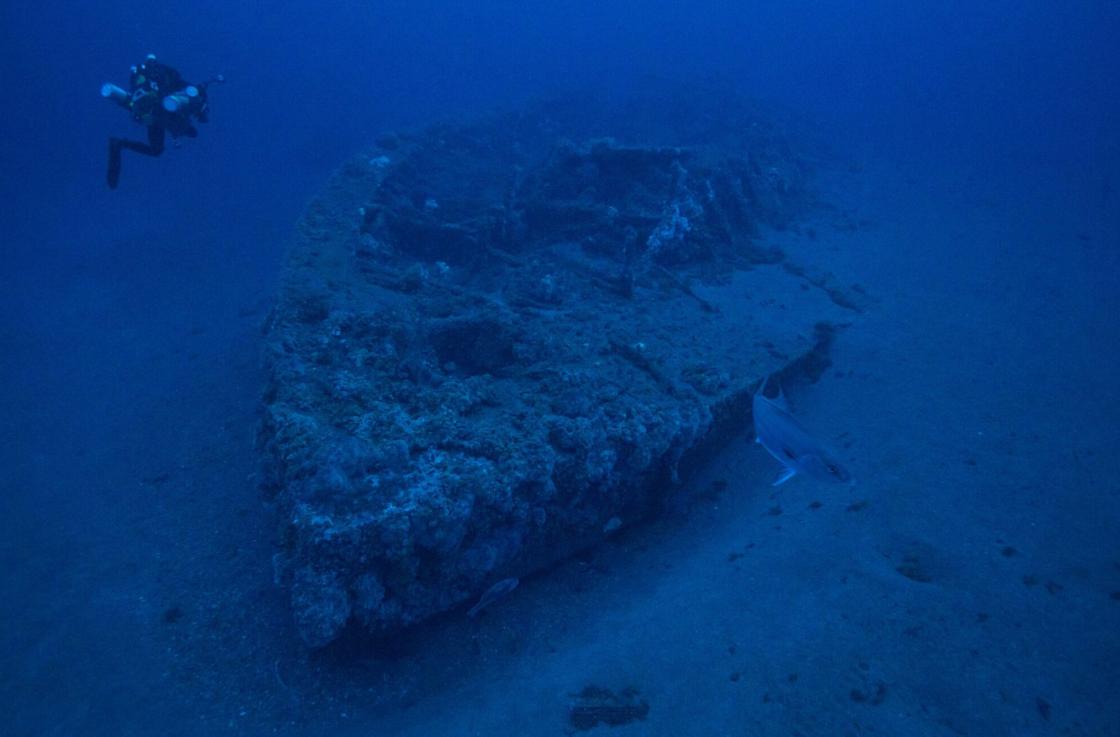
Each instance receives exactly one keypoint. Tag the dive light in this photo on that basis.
(115, 94)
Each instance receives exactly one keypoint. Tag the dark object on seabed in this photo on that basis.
(595, 705)
(163, 102)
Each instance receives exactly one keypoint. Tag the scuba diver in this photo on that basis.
(162, 101)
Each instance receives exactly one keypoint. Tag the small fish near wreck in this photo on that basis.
(492, 594)
(779, 432)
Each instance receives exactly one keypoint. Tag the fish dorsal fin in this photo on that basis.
(780, 400)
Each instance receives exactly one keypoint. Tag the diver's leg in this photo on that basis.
(114, 172)
(156, 136)
(154, 147)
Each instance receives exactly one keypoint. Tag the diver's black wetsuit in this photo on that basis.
(152, 82)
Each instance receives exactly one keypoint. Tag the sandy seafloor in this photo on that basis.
(976, 401)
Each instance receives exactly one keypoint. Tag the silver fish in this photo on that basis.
(786, 439)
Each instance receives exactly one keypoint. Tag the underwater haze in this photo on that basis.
(943, 208)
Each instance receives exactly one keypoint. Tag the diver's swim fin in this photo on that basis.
(114, 172)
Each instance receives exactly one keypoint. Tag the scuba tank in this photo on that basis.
(182, 100)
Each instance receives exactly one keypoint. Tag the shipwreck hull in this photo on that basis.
(497, 342)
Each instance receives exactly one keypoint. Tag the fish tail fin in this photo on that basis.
(787, 473)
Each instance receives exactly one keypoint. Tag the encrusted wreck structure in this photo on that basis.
(497, 341)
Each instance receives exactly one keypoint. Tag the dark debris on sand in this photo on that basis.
(594, 705)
